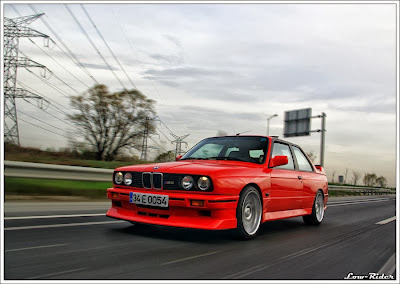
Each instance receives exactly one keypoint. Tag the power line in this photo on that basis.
(162, 132)
(76, 60)
(50, 105)
(158, 144)
(90, 19)
(62, 120)
(59, 64)
(92, 43)
(53, 74)
(42, 121)
(44, 128)
(51, 85)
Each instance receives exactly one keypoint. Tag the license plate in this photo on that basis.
(149, 199)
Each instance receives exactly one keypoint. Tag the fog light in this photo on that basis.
(114, 195)
(197, 203)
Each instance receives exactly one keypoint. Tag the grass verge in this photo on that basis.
(51, 187)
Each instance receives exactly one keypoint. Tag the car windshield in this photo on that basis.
(236, 148)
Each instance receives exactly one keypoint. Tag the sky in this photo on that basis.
(215, 68)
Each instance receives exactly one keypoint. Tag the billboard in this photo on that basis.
(297, 122)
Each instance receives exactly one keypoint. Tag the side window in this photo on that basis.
(283, 150)
(303, 163)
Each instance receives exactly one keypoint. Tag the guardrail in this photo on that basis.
(363, 190)
(48, 171)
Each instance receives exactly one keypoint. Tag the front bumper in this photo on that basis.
(218, 211)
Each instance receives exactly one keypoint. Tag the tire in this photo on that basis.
(248, 213)
(317, 214)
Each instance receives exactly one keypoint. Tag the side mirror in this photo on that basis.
(177, 158)
(320, 169)
(278, 161)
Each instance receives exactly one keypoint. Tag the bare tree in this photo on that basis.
(221, 133)
(356, 177)
(381, 181)
(369, 179)
(345, 175)
(111, 122)
(333, 176)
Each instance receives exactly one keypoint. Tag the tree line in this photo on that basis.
(369, 179)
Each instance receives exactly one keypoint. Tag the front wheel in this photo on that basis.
(317, 214)
(249, 213)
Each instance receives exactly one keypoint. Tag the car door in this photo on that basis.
(306, 172)
(286, 187)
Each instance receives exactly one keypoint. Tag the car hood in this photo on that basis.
(203, 167)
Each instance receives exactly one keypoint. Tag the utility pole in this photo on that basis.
(268, 119)
(179, 141)
(145, 147)
(322, 148)
(143, 156)
(13, 30)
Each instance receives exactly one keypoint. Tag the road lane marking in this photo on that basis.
(389, 267)
(282, 259)
(189, 258)
(38, 247)
(355, 203)
(358, 200)
(388, 220)
(53, 216)
(60, 225)
(57, 273)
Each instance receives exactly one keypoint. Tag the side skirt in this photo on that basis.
(269, 216)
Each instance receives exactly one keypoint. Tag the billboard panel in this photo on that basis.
(297, 122)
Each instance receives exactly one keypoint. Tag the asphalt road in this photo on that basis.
(74, 240)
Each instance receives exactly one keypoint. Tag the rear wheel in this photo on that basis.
(317, 214)
(248, 213)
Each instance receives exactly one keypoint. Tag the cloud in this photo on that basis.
(170, 59)
(174, 40)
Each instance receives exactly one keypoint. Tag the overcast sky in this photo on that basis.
(227, 67)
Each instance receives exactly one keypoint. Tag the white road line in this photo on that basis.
(57, 273)
(53, 216)
(358, 200)
(355, 203)
(388, 220)
(60, 225)
(189, 258)
(389, 267)
(38, 247)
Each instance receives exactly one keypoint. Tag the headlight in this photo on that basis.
(187, 182)
(203, 183)
(128, 179)
(118, 178)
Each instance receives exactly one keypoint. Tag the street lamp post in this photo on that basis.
(268, 119)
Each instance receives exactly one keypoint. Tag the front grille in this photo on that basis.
(171, 181)
(146, 178)
(137, 179)
(157, 180)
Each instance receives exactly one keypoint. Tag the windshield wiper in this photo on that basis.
(193, 158)
(215, 158)
(226, 158)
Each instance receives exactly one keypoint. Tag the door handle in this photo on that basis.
(299, 177)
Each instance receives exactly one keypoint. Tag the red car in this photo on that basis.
(231, 182)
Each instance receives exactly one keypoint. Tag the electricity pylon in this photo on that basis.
(13, 30)
(179, 141)
(145, 147)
